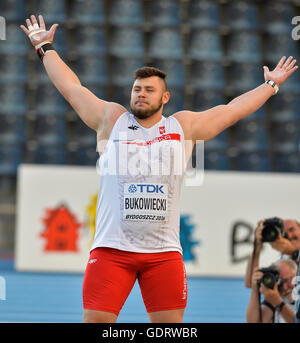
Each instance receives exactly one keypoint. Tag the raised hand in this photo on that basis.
(283, 245)
(282, 71)
(37, 33)
(258, 233)
(256, 276)
(271, 295)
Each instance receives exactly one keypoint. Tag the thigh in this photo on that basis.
(163, 283)
(167, 316)
(93, 316)
(108, 280)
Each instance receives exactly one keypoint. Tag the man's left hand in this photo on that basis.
(283, 245)
(282, 71)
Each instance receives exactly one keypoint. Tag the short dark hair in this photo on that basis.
(145, 72)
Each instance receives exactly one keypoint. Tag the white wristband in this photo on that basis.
(273, 84)
(43, 43)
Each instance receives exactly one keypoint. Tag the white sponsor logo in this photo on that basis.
(145, 201)
(296, 30)
(158, 157)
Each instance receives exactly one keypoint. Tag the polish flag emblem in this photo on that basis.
(162, 130)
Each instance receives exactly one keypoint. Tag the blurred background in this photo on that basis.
(211, 50)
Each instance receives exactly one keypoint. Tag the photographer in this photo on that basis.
(276, 284)
(291, 247)
(286, 240)
(287, 243)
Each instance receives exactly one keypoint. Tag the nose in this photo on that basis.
(289, 284)
(142, 93)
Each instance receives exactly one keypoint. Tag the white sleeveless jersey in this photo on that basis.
(141, 171)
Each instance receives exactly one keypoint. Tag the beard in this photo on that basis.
(141, 113)
(287, 296)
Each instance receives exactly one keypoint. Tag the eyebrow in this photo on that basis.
(148, 87)
(288, 279)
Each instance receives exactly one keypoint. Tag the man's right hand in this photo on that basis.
(258, 234)
(38, 34)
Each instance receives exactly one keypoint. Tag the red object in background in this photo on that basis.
(61, 231)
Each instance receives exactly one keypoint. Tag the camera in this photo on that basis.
(272, 227)
(270, 277)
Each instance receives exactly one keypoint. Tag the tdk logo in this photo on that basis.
(132, 189)
(146, 188)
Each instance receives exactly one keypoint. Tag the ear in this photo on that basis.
(166, 97)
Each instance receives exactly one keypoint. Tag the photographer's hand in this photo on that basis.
(253, 309)
(272, 296)
(283, 245)
(257, 275)
(258, 235)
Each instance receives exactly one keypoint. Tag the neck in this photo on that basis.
(149, 122)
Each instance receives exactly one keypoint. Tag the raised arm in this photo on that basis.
(254, 307)
(208, 124)
(92, 110)
(253, 261)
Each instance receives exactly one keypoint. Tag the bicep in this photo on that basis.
(208, 124)
(90, 108)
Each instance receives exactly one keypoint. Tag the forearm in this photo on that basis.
(251, 101)
(252, 314)
(59, 73)
(253, 262)
(287, 314)
(254, 310)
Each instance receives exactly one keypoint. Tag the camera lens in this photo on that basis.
(269, 234)
(271, 230)
(268, 280)
(270, 276)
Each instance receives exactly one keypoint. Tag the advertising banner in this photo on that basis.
(57, 208)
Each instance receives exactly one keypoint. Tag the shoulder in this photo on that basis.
(113, 112)
(185, 119)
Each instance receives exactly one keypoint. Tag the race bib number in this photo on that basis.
(145, 202)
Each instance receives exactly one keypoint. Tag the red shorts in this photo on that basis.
(111, 274)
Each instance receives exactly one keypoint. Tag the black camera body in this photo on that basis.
(270, 277)
(272, 227)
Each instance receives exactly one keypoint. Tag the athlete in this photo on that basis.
(142, 158)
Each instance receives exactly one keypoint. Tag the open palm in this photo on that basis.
(38, 33)
(282, 71)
